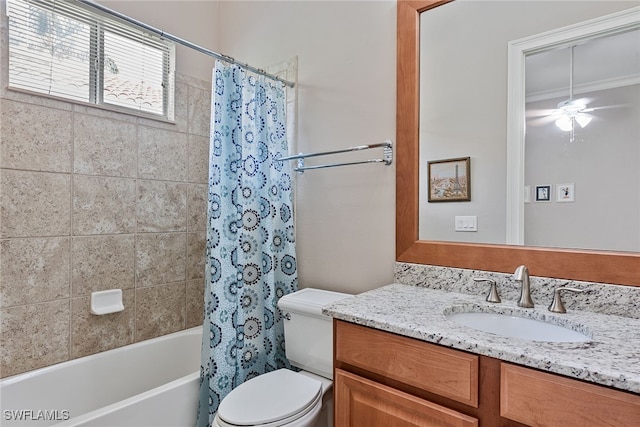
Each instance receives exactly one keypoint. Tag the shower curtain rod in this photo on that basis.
(186, 43)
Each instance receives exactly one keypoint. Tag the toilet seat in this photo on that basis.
(270, 400)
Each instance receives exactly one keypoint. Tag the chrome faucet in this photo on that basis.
(522, 275)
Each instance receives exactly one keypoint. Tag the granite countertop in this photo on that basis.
(611, 358)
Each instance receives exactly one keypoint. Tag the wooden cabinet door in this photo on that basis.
(446, 372)
(541, 399)
(360, 402)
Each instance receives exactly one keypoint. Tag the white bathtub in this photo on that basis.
(150, 383)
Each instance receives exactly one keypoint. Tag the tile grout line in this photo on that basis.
(71, 222)
(186, 245)
(136, 242)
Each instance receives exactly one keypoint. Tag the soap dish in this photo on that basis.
(106, 302)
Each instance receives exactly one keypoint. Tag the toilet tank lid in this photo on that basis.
(309, 300)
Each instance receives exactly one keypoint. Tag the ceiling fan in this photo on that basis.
(569, 112)
(572, 111)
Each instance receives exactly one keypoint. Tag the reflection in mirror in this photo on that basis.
(583, 142)
(463, 112)
(589, 265)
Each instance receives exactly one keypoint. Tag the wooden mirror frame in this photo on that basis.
(594, 266)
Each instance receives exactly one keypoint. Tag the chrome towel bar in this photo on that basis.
(387, 156)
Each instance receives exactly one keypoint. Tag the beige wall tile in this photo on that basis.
(194, 81)
(103, 205)
(160, 310)
(34, 204)
(104, 113)
(100, 263)
(199, 111)
(197, 206)
(160, 258)
(92, 334)
(198, 158)
(99, 197)
(35, 137)
(104, 146)
(196, 245)
(32, 98)
(182, 107)
(33, 336)
(162, 154)
(34, 270)
(195, 302)
(161, 206)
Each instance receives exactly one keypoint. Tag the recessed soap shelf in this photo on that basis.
(106, 302)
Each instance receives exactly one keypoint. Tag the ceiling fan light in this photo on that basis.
(565, 123)
(583, 120)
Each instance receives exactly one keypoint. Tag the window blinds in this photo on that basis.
(67, 49)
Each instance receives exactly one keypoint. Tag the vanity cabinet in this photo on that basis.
(367, 403)
(542, 399)
(387, 380)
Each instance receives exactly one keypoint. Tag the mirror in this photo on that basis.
(466, 113)
(608, 267)
(597, 151)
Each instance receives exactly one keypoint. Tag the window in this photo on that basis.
(69, 50)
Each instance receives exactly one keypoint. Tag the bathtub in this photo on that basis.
(150, 383)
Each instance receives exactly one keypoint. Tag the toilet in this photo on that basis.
(286, 398)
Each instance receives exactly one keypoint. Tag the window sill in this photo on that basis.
(103, 107)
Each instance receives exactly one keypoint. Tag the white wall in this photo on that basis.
(346, 92)
(603, 165)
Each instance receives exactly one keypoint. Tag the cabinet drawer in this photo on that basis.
(448, 373)
(361, 402)
(541, 399)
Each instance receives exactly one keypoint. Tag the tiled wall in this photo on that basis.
(94, 200)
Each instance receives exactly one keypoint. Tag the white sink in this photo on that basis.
(511, 326)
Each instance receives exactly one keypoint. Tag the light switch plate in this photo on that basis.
(466, 223)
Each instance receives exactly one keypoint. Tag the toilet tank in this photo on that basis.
(308, 333)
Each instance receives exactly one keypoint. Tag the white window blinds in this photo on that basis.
(66, 49)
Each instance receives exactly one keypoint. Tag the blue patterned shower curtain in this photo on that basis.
(251, 258)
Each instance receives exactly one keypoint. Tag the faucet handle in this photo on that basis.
(493, 291)
(557, 306)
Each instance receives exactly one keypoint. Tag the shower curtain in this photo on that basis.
(250, 250)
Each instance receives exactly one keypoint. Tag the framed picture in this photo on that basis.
(543, 193)
(565, 193)
(449, 180)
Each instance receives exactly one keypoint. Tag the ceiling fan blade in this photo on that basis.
(543, 112)
(606, 107)
(541, 121)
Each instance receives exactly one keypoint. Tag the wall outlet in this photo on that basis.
(466, 223)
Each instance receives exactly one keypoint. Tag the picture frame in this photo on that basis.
(543, 193)
(449, 180)
(565, 193)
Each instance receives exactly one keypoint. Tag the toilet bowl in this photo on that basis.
(276, 399)
(288, 398)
